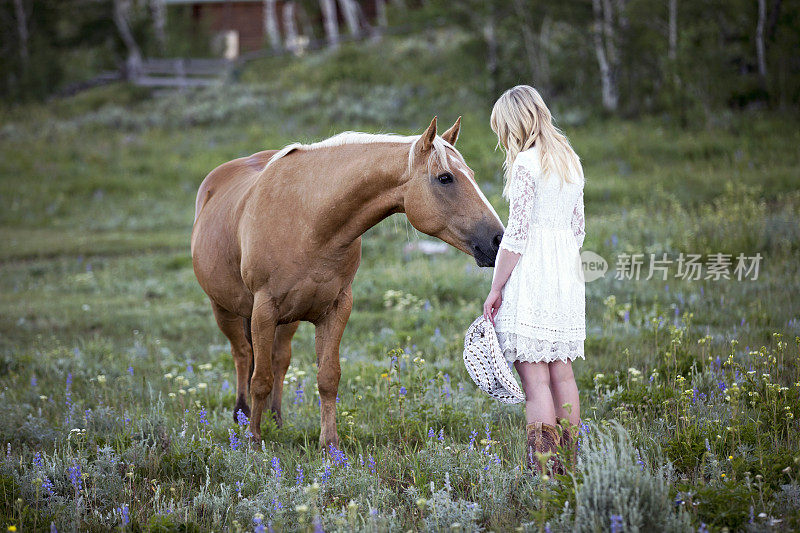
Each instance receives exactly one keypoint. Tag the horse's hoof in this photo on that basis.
(241, 405)
(277, 418)
(330, 445)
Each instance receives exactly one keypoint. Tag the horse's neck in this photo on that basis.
(361, 198)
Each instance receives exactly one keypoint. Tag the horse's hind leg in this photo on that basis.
(281, 356)
(242, 351)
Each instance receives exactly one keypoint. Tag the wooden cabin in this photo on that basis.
(240, 23)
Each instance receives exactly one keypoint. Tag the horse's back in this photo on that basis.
(227, 174)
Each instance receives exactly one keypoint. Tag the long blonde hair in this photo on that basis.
(521, 120)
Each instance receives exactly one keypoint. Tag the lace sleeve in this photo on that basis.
(521, 198)
(579, 221)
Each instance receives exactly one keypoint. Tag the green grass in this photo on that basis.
(96, 204)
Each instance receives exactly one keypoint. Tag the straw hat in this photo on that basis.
(486, 365)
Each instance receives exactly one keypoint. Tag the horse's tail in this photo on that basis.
(202, 199)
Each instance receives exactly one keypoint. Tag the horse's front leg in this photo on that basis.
(261, 383)
(329, 330)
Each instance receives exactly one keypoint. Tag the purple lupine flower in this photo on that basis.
(276, 504)
(614, 240)
(326, 474)
(233, 439)
(75, 475)
(472, 436)
(239, 486)
(617, 525)
(225, 386)
(37, 460)
(241, 418)
(124, 514)
(276, 467)
(189, 369)
(441, 435)
(627, 317)
(34, 382)
(339, 457)
(298, 394)
(488, 432)
(47, 487)
(703, 528)
(202, 417)
(371, 461)
(742, 323)
(259, 525)
(299, 477)
(402, 391)
(431, 433)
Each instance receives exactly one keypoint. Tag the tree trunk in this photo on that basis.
(22, 31)
(331, 22)
(600, 28)
(350, 12)
(290, 27)
(534, 47)
(121, 16)
(271, 24)
(380, 14)
(673, 30)
(491, 52)
(158, 9)
(760, 48)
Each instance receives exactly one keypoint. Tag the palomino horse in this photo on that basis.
(277, 239)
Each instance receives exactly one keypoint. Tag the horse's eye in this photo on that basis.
(445, 178)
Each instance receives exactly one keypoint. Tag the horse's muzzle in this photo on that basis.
(486, 243)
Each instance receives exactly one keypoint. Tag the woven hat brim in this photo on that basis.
(486, 364)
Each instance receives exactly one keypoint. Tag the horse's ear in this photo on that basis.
(451, 135)
(426, 139)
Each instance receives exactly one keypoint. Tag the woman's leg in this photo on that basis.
(565, 391)
(538, 398)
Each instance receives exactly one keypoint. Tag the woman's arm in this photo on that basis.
(504, 265)
(515, 237)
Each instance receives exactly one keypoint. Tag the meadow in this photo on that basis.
(116, 387)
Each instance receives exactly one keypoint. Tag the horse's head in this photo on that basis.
(443, 199)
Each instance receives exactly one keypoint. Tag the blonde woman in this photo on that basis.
(537, 299)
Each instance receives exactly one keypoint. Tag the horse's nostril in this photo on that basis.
(496, 240)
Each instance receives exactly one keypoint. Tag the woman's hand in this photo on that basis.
(492, 305)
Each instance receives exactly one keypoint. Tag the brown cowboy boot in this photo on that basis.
(569, 442)
(542, 439)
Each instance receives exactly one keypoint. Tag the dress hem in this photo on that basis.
(522, 348)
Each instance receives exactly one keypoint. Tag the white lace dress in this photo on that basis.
(542, 317)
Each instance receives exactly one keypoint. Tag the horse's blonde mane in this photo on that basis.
(356, 137)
